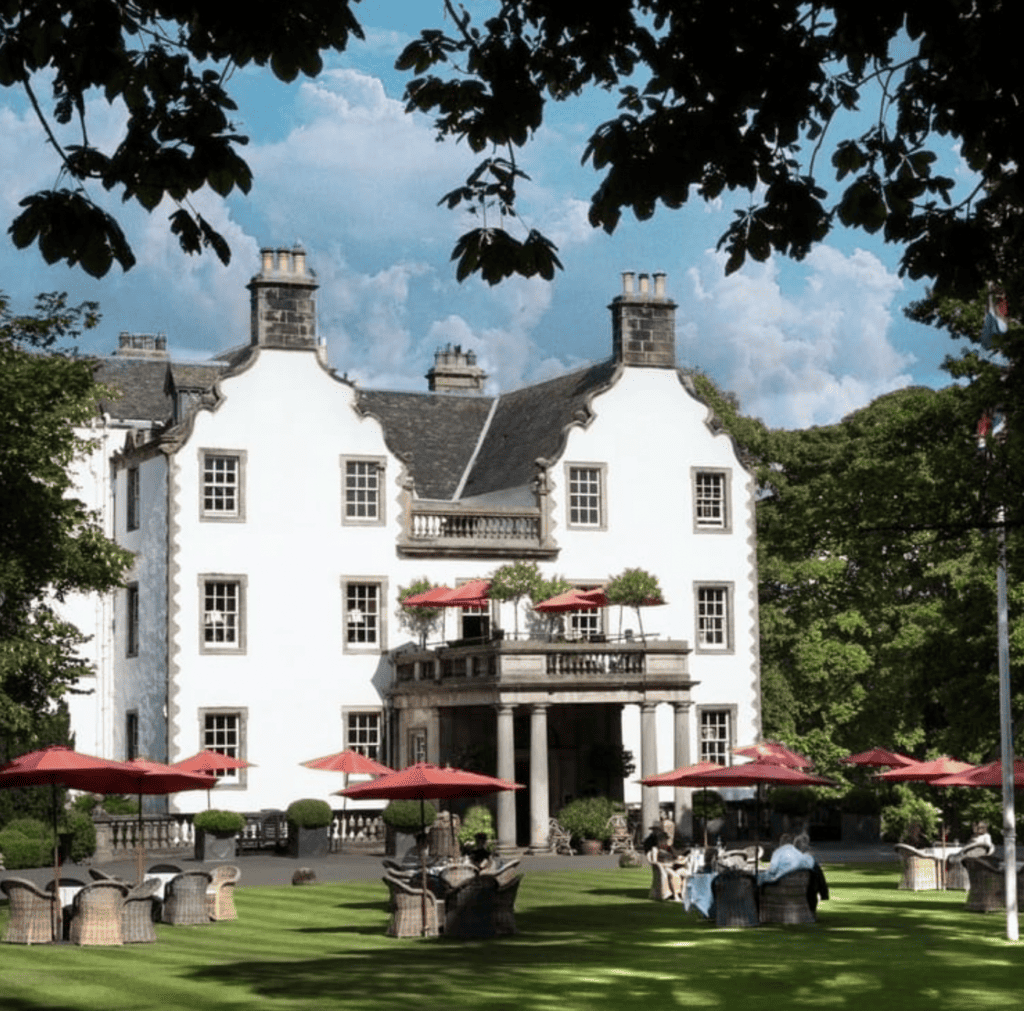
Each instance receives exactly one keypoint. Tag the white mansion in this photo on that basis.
(275, 509)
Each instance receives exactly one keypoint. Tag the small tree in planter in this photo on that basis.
(215, 834)
(545, 589)
(634, 588)
(513, 582)
(308, 821)
(587, 820)
(419, 620)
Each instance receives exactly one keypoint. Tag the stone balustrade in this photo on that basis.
(452, 529)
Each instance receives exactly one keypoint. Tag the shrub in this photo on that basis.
(310, 813)
(791, 800)
(20, 851)
(861, 800)
(587, 818)
(31, 828)
(86, 803)
(116, 804)
(708, 804)
(83, 835)
(404, 816)
(222, 822)
(912, 820)
(478, 819)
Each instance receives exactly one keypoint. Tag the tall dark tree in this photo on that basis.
(877, 578)
(50, 543)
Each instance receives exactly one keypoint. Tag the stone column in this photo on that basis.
(506, 770)
(539, 809)
(649, 813)
(681, 756)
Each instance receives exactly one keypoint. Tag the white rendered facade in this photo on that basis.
(274, 527)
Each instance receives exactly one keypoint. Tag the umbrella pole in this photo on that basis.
(139, 854)
(344, 804)
(423, 868)
(705, 819)
(56, 918)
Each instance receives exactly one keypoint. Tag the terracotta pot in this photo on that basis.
(591, 847)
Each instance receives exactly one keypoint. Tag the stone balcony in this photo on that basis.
(453, 530)
(471, 673)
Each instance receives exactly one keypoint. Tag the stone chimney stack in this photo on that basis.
(284, 301)
(456, 371)
(644, 324)
(141, 345)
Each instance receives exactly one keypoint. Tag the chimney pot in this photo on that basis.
(645, 284)
(627, 282)
(282, 261)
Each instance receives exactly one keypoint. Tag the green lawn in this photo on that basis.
(590, 939)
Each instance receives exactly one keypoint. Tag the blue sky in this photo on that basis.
(340, 168)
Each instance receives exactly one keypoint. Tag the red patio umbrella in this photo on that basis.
(924, 772)
(348, 762)
(144, 776)
(59, 765)
(878, 758)
(678, 777)
(571, 600)
(984, 775)
(209, 762)
(471, 594)
(428, 598)
(425, 781)
(775, 752)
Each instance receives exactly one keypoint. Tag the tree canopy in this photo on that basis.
(877, 562)
(50, 543)
(781, 100)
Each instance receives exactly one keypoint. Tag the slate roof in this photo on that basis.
(142, 385)
(436, 433)
(531, 423)
(199, 376)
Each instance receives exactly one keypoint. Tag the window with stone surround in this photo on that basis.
(585, 504)
(711, 507)
(363, 491)
(364, 613)
(716, 733)
(363, 732)
(132, 503)
(222, 614)
(714, 617)
(223, 730)
(222, 492)
(131, 606)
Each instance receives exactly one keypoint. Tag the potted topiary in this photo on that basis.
(216, 832)
(402, 820)
(587, 820)
(308, 822)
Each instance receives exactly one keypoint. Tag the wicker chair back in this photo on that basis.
(96, 913)
(185, 899)
(32, 912)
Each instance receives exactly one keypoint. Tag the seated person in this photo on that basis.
(418, 853)
(980, 835)
(480, 855)
(663, 853)
(794, 855)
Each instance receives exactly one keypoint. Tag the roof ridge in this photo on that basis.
(484, 429)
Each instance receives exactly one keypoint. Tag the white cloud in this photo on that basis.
(796, 359)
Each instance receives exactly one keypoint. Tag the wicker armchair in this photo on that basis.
(560, 839)
(622, 838)
(137, 913)
(456, 876)
(921, 871)
(96, 913)
(956, 873)
(785, 899)
(735, 895)
(185, 899)
(987, 880)
(469, 909)
(662, 878)
(505, 906)
(407, 910)
(220, 896)
(33, 912)
(505, 874)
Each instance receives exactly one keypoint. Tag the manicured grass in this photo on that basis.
(587, 940)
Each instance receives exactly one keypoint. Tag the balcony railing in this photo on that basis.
(534, 662)
(452, 529)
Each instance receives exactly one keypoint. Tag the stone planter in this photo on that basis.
(210, 846)
(306, 843)
(591, 847)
